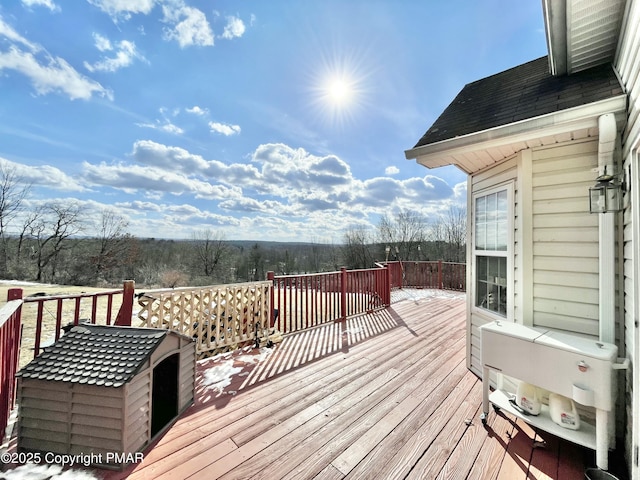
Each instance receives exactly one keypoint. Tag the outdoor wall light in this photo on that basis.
(606, 195)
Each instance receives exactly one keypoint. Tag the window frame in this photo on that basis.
(508, 254)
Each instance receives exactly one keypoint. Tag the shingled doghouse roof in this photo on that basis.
(520, 93)
(95, 355)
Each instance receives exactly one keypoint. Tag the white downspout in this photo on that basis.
(607, 239)
(605, 421)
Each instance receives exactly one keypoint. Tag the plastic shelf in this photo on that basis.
(585, 435)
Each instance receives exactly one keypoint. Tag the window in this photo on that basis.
(491, 249)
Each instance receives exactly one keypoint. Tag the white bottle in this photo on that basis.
(528, 398)
(563, 411)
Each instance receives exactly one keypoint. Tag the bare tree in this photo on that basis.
(403, 233)
(113, 242)
(449, 233)
(210, 248)
(357, 248)
(13, 191)
(55, 224)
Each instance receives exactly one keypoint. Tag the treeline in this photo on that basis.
(208, 258)
(59, 243)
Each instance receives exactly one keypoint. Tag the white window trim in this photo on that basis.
(509, 253)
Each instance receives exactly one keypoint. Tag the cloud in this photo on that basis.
(123, 9)
(153, 182)
(125, 54)
(54, 76)
(460, 192)
(288, 170)
(41, 3)
(234, 28)
(44, 175)
(224, 128)
(10, 34)
(196, 110)
(189, 26)
(102, 43)
(393, 170)
(46, 73)
(155, 154)
(252, 205)
(163, 125)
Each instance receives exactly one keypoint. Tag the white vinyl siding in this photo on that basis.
(565, 238)
(554, 262)
(627, 62)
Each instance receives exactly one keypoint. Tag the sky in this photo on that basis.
(280, 120)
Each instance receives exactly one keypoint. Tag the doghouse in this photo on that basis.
(104, 391)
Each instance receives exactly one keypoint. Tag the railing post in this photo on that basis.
(126, 309)
(11, 355)
(387, 281)
(343, 293)
(272, 316)
(440, 274)
(14, 294)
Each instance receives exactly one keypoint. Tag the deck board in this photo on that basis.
(386, 395)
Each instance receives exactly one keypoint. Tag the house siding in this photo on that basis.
(565, 238)
(627, 64)
(555, 240)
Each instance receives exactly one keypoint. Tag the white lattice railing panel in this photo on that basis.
(218, 317)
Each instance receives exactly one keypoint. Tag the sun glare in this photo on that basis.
(339, 91)
(340, 85)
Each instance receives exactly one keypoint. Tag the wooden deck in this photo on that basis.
(383, 396)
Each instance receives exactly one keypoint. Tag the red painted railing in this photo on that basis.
(297, 301)
(439, 274)
(305, 301)
(68, 309)
(9, 354)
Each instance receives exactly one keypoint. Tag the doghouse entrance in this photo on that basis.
(164, 397)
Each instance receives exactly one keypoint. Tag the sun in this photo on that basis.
(339, 91)
(338, 82)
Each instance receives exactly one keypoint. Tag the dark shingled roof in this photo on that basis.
(520, 93)
(95, 355)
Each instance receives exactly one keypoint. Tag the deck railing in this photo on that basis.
(217, 317)
(9, 354)
(305, 301)
(49, 314)
(428, 274)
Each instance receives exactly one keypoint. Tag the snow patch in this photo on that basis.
(219, 376)
(261, 357)
(32, 471)
(417, 294)
(22, 283)
(352, 331)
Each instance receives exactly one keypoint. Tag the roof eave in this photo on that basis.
(584, 116)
